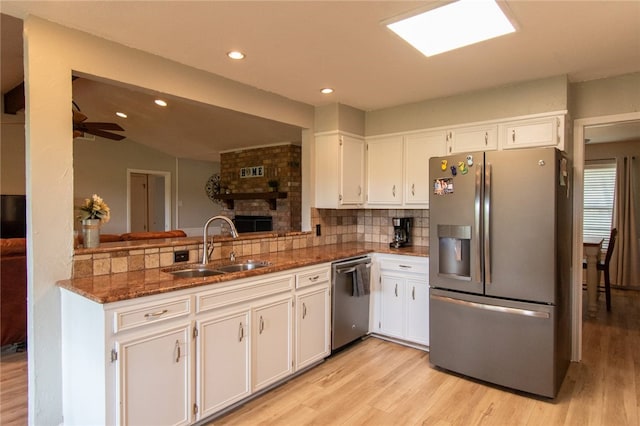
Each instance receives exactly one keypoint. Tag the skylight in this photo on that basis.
(454, 25)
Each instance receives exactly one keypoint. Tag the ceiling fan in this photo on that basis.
(80, 126)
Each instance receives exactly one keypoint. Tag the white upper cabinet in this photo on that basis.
(534, 132)
(339, 164)
(418, 148)
(385, 170)
(473, 138)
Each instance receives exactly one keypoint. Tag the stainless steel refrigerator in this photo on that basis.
(499, 269)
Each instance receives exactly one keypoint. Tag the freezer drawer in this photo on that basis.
(511, 344)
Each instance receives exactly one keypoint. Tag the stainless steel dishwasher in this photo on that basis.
(349, 312)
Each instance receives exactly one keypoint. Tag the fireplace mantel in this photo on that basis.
(269, 197)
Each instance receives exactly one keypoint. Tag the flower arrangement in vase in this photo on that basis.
(93, 213)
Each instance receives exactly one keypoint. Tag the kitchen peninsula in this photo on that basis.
(143, 346)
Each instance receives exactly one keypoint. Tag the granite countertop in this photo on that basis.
(129, 285)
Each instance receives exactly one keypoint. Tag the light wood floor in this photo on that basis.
(13, 389)
(382, 383)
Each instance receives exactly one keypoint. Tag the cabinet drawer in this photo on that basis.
(313, 276)
(243, 292)
(140, 315)
(405, 265)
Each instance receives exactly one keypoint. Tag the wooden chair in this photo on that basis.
(603, 265)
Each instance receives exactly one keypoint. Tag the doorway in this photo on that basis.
(148, 200)
(579, 126)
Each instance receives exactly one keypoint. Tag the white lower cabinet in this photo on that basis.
(417, 297)
(313, 310)
(223, 367)
(392, 303)
(180, 357)
(271, 342)
(154, 377)
(401, 298)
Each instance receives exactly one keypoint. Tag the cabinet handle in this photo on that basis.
(177, 351)
(486, 138)
(304, 310)
(359, 190)
(413, 293)
(315, 278)
(156, 314)
(240, 332)
(513, 135)
(261, 328)
(393, 190)
(413, 189)
(405, 266)
(396, 290)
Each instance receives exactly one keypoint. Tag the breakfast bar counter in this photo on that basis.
(116, 287)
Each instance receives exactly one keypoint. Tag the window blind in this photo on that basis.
(599, 192)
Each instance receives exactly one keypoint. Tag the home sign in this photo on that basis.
(254, 171)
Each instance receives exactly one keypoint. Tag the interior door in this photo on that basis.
(139, 186)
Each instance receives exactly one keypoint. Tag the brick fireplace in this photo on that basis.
(259, 166)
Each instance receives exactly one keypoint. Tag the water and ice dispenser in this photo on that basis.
(454, 251)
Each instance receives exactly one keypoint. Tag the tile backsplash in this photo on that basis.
(367, 225)
(336, 226)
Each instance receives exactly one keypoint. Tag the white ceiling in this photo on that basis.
(294, 48)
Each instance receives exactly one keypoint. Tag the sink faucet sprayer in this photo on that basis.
(207, 249)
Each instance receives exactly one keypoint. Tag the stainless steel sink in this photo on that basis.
(208, 271)
(195, 272)
(247, 265)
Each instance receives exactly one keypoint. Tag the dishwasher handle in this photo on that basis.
(349, 270)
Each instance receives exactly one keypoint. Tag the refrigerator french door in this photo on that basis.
(500, 224)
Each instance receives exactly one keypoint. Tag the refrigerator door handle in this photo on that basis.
(487, 223)
(494, 308)
(476, 225)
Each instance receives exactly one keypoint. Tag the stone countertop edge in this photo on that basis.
(134, 284)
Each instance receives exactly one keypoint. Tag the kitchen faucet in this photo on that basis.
(206, 253)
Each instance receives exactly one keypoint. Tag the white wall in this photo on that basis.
(194, 206)
(52, 53)
(100, 167)
(607, 96)
(531, 97)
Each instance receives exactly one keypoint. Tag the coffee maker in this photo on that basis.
(401, 232)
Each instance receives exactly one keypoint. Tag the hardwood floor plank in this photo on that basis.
(377, 382)
(13, 389)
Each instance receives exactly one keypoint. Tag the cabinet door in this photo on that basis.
(384, 171)
(418, 149)
(351, 170)
(545, 131)
(312, 327)
(223, 371)
(271, 338)
(154, 378)
(417, 329)
(392, 306)
(475, 138)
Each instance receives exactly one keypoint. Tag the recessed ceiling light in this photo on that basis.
(452, 26)
(160, 102)
(235, 54)
(326, 90)
(121, 114)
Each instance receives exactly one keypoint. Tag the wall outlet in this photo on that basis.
(180, 256)
(318, 230)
